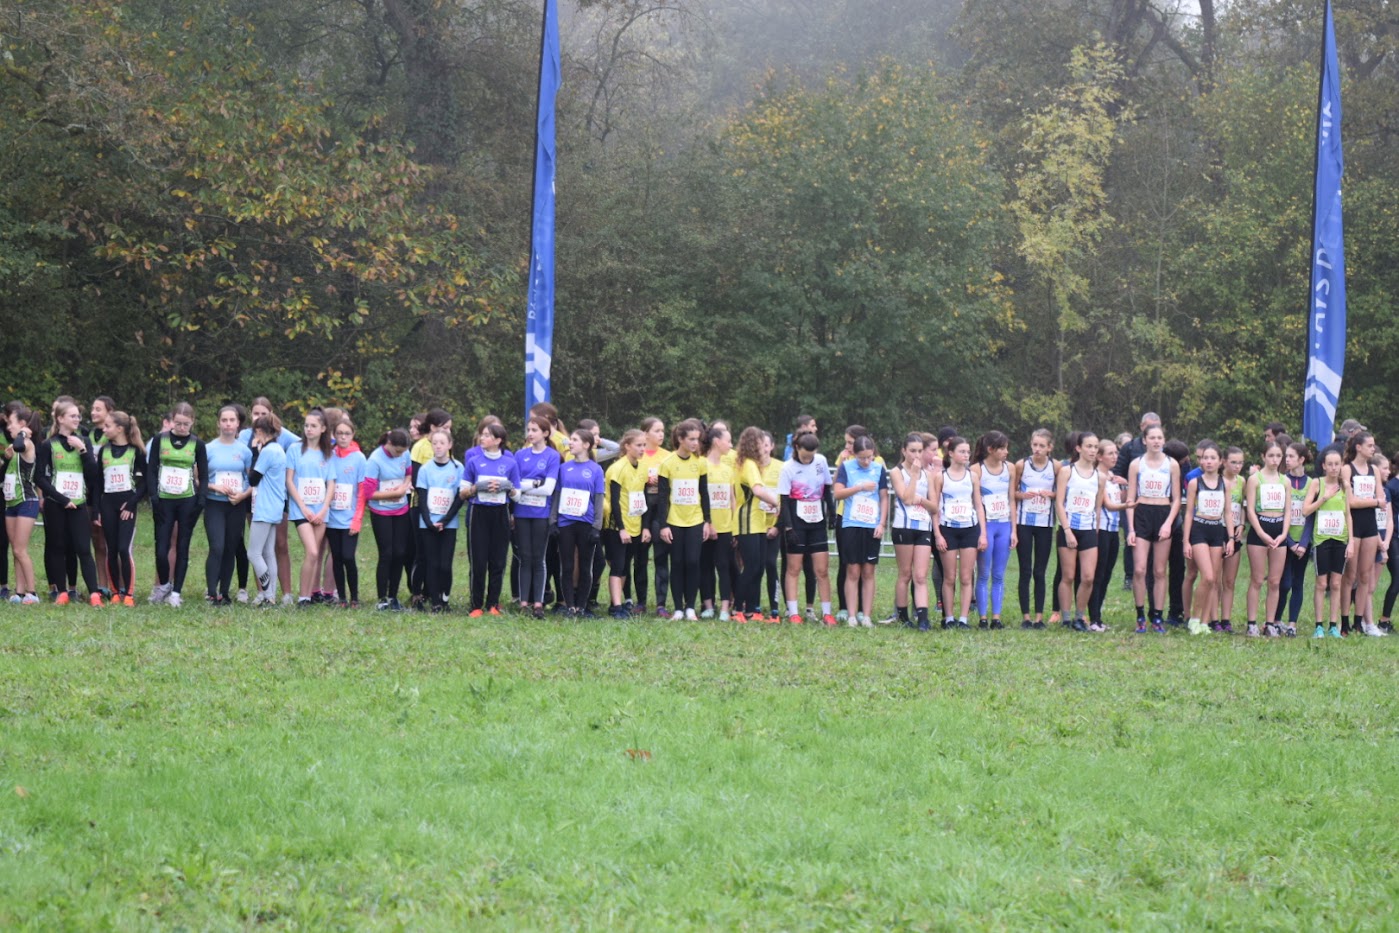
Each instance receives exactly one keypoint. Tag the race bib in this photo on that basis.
(864, 510)
(957, 512)
(1272, 497)
(1209, 505)
(1114, 494)
(1036, 506)
(1295, 517)
(231, 479)
(344, 496)
(636, 504)
(533, 500)
(1237, 509)
(1080, 502)
(439, 499)
(1381, 520)
(490, 498)
(764, 507)
(1152, 486)
(574, 502)
(312, 489)
(917, 513)
(1363, 486)
(114, 478)
(809, 512)
(721, 496)
(10, 486)
(651, 476)
(1331, 523)
(997, 506)
(174, 481)
(685, 492)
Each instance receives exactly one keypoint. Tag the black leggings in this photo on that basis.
(4, 555)
(393, 535)
(435, 550)
(68, 534)
(662, 554)
(1108, 543)
(223, 525)
(240, 553)
(638, 580)
(751, 551)
(577, 545)
(169, 513)
(717, 556)
(1294, 583)
(1393, 590)
(684, 565)
(343, 546)
(118, 534)
(489, 535)
(1032, 549)
(771, 548)
(532, 546)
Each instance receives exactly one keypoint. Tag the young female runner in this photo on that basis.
(1384, 521)
(22, 499)
(961, 529)
(491, 478)
(1034, 532)
(1209, 528)
(683, 512)
(95, 436)
(580, 506)
(538, 466)
(1265, 501)
(1078, 498)
(1234, 482)
(1362, 498)
(179, 470)
(624, 530)
(269, 478)
(64, 470)
(862, 484)
(757, 500)
(654, 455)
(284, 438)
(310, 487)
(385, 489)
(230, 461)
(342, 526)
(1109, 523)
(717, 553)
(122, 460)
(914, 509)
(1153, 499)
(1299, 536)
(995, 476)
(438, 482)
(807, 507)
(1327, 502)
(421, 452)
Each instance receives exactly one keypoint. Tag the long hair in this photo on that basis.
(991, 440)
(324, 443)
(749, 445)
(128, 425)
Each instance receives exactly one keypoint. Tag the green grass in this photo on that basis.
(321, 769)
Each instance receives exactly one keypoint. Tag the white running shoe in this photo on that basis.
(159, 592)
(866, 621)
(1374, 631)
(678, 616)
(174, 600)
(690, 616)
(288, 599)
(242, 596)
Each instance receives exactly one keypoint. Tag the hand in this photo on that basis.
(1131, 539)
(355, 527)
(127, 515)
(772, 532)
(1070, 539)
(878, 533)
(70, 505)
(78, 444)
(941, 542)
(1228, 548)
(625, 536)
(97, 521)
(981, 542)
(1014, 539)
(708, 533)
(868, 486)
(1350, 549)
(666, 535)
(646, 536)
(1165, 534)
(436, 526)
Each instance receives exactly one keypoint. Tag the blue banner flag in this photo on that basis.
(1326, 330)
(539, 322)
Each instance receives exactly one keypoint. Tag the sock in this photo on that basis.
(825, 609)
(903, 613)
(791, 607)
(1141, 611)
(922, 613)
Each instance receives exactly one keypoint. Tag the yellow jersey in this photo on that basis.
(630, 483)
(722, 513)
(683, 474)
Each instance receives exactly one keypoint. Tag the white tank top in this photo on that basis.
(912, 517)
(995, 493)
(958, 508)
(1154, 482)
(1081, 499)
(1037, 512)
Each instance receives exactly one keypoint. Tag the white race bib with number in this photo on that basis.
(997, 506)
(116, 478)
(917, 513)
(764, 507)
(809, 512)
(1331, 523)
(344, 494)
(10, 487)
(1381, 520)
(1272, 497)
(229, 479)
(490, 498)
(174, 481)
(1209, 504)
(1237, 508)
(439, 499)
(1080, 503)
(574, 502)
(1363, 486)
(721, 496)
(864, 510)
(1153, 486)
(1036, 505)
(533, 500)
(636, 504)
(1295, 516)
(685, 492)
(1114, 493)
(957, 511)
(312, 489)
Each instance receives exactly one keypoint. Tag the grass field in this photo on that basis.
(322, 769)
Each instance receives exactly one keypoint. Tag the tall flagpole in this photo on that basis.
(539, 321)
(1326, 325)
